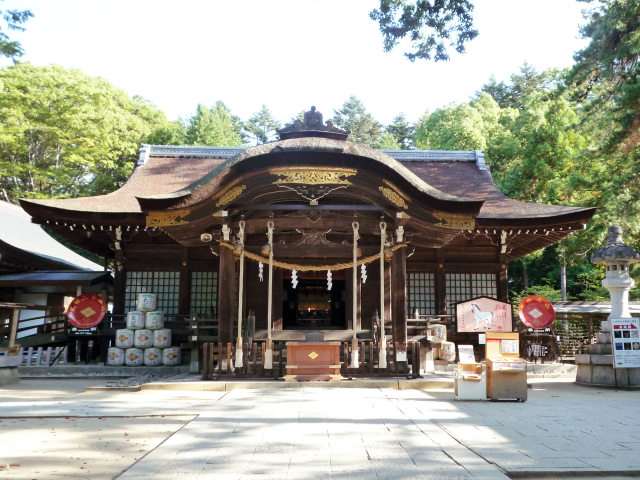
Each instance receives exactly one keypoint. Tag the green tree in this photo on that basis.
(172, 133)
(261, 126)
(402, 131)
(353, 116)
(214, 126)
(431, 26)
(465, 126)
(606, 74)
(548, 167)
(388, 142)
(12, 20)
(63, 133)
(605, 83)
(525, 83)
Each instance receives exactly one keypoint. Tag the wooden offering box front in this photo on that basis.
(313, 361)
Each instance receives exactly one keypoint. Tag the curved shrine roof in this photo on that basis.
(172, 173)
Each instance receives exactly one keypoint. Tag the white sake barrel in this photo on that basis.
(147, 302)
(154, 320)
(448, 351)
(171, 356)
(162, 338)
(135, 320)
(115, 356)
(133, 357)
(143, 338)
(152, 357)
(439, 333)
(124, 338)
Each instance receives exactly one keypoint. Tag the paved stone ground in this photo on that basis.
(308, 433)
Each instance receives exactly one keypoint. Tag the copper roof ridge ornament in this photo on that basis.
(312, 126)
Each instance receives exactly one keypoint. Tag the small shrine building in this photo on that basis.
(425, 230)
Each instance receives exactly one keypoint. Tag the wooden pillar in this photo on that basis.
(387, 296)
(441, 284)
(226, 293)
(278, 298)
(119, 283)
(503, 281)
(14, 326)
(348, 305)
(399, 298)
(184, 301)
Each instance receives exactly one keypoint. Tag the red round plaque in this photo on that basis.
(86, 310)
(535, 311)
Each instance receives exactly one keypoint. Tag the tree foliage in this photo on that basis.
(606, 74)
(432, 27)
(353, 116)
(261, 126)
(12, 20)
(214, 126)
(402, 131)
(63, 133)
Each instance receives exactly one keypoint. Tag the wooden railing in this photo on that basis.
(218, 360)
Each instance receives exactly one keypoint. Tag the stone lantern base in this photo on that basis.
(596, 367)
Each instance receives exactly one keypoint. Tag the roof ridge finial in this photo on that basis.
(312, 126)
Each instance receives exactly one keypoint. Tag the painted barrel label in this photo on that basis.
(154, 320)
(124, 338)
(135, 320)
(162, 338)
(133, 357)
(143, 338)
(152, 357)
(171, 356)
(147, 302)
(115, 356)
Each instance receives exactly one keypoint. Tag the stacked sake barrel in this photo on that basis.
(144, 341)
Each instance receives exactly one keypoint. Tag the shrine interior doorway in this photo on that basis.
(311, 306)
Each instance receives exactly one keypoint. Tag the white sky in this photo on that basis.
(286, 54)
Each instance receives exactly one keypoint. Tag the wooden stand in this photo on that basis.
(313, 361)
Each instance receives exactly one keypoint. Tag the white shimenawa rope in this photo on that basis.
(239, 352)
(382, 353)
(268, 354)
(354, 341)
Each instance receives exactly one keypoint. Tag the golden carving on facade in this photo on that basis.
(394, 197)
(230, 195)
(455, 221)
(167, 219)
(314, 175)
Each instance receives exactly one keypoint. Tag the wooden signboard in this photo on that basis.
(483, 314)
(502, 345)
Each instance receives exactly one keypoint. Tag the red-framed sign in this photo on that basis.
(86, 310)
(535, 311)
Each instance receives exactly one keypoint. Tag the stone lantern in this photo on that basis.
(597, 366)
(617, 257)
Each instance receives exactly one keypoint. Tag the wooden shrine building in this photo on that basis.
(309, 205)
